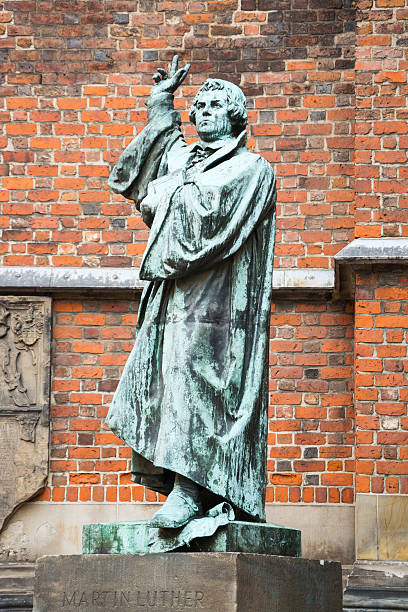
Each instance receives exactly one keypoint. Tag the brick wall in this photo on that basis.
(75, 79)
(381, 119)
(381, 211)
(381, 326)
(311, 453)
(92, 340)
(311, 439)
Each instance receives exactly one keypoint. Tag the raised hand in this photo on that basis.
(169, 83)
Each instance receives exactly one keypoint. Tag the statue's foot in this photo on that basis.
(177, 511)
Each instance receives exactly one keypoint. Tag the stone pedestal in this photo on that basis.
(214, 582)
(16, 586)
(235, 536)
(377, 585)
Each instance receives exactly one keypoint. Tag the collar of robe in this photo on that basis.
(220, 150)
(239, 141)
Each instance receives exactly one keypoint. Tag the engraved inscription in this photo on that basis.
(8, 447)
(155, 599)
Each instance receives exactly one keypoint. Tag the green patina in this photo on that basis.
(193, 397)
(236, 536)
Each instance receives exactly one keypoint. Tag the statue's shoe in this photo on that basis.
(177, 511)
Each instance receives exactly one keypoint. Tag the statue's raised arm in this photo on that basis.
(140, 162)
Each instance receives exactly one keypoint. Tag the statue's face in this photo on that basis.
(211, 117)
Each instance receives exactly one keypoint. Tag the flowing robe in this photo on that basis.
(193, 396)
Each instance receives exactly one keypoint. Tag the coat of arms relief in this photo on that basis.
(25, 324)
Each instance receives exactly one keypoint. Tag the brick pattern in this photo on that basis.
(381, 380)
(381, 119)
(87, 462)
(311, 441)
(76, 76)
(311, 430)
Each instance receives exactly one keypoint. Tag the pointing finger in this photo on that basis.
(174, 65)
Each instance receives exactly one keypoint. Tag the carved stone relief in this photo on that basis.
(25, 324)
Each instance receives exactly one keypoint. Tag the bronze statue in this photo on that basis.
(192, 401)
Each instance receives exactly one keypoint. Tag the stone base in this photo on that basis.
(377, 585)
(236, 536)
(229, 582)
(16, 586)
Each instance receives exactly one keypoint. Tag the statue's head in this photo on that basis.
(219, 110)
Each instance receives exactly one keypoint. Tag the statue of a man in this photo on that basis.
(193, 398)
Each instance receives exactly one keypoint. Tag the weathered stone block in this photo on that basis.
(16, 586)
(229, 582)
(236, 536)
(377, 585)
(24, 399)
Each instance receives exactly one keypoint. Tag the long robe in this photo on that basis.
(193, 396)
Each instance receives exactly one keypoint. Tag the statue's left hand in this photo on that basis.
(164, 83)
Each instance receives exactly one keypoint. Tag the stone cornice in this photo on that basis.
(298, 284)
(122, 282)
(367, 251)
(364, 253)
(85, 281)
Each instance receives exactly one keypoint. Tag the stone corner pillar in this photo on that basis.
(375, 271)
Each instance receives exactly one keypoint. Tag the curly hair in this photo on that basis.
(236, 103)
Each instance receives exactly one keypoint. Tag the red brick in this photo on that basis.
(45, 143)
(84, 424)
(71, 103)
(377, 40)
(87, 372)
(18, 182)
(87, 398)
(21, 129)
(323, 178)
(392, 467)
(318, 101)
(82, 479)
(286, 479)
(111, 465)
(301, 64)
(90, 319)
(337, 480)
(65, 385)
(107, 438)
(88, 347)
(118, 102)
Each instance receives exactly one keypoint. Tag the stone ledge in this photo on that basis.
(302, 282)
(363, 252)
(96, 281)
(287, 283)
(368, 251)
(88, 281)
(16, 586)
(377, 585)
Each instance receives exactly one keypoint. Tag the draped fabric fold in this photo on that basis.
(193, 396)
